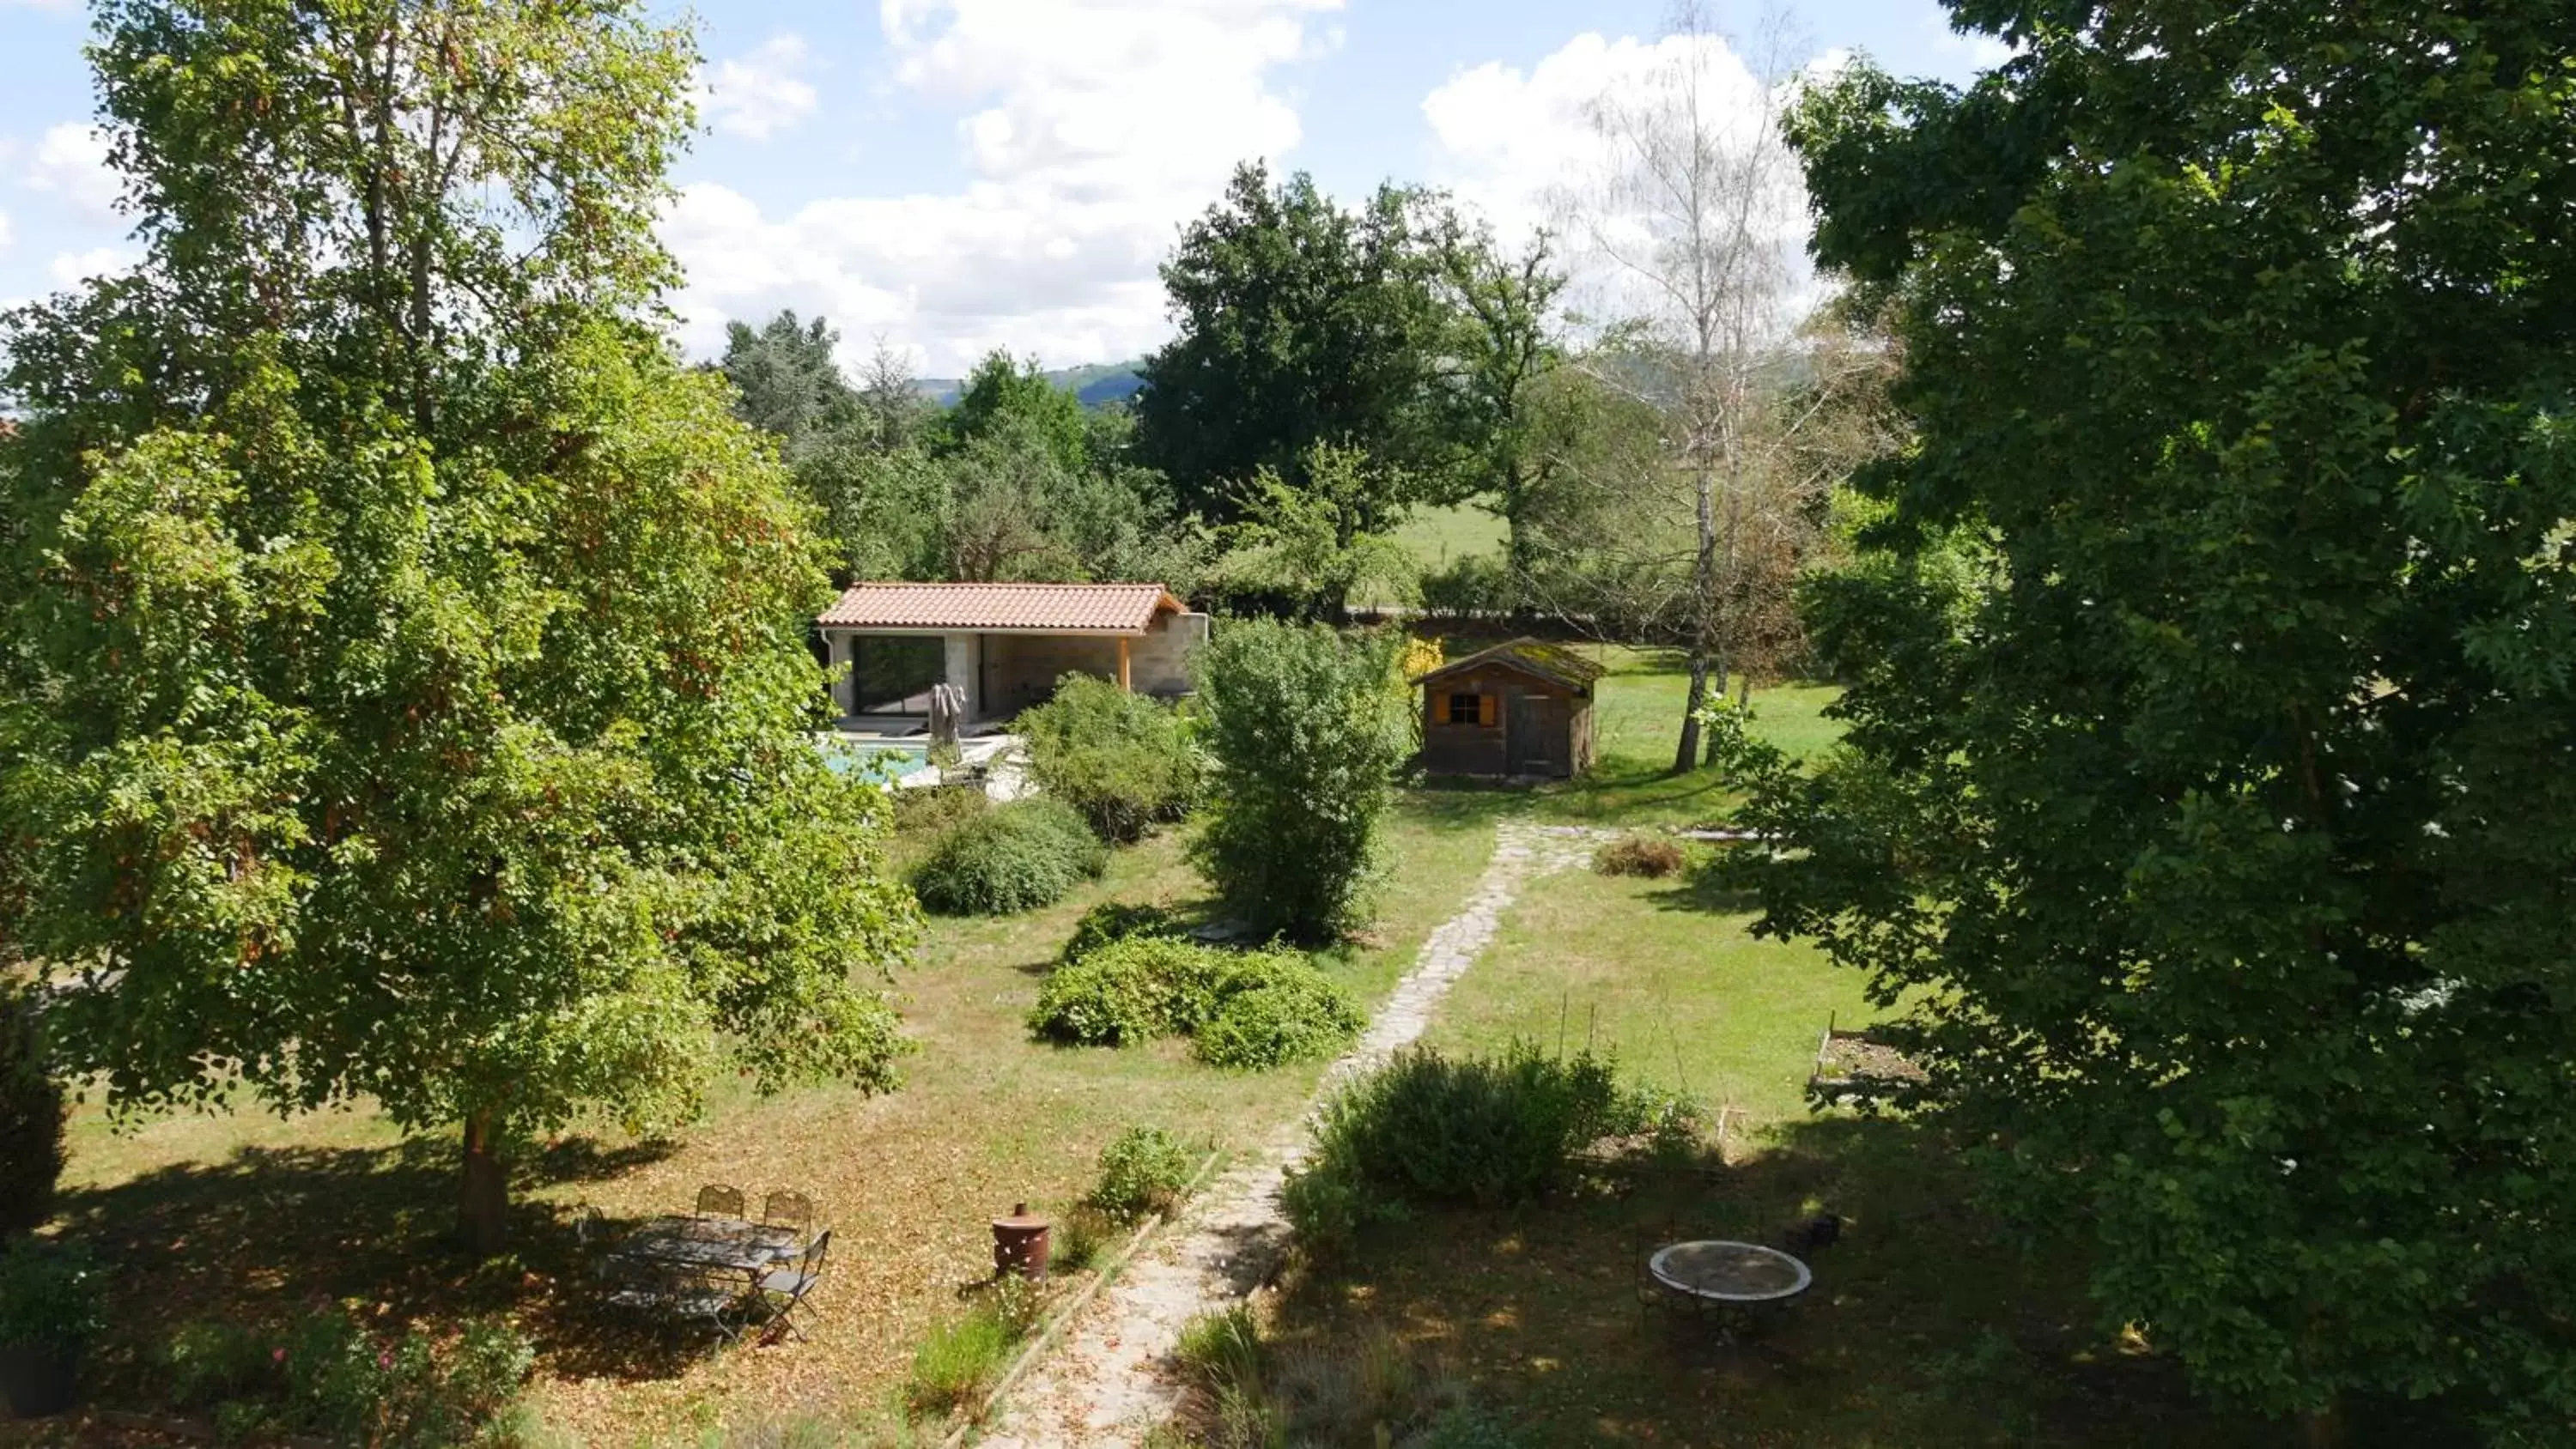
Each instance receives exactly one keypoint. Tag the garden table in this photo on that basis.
(1721, 1272)
(712, 1244)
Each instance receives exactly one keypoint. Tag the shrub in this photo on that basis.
(1432, 1129)
(31, 1121)
(327, 1375)
(1247, 1010)
(1123, 760)
(1471, 586)
(1144, 1171)
(1080, 1239)
(1307, 727)
(49, 1295)
(958, 1361)
(1129, 991)
(206, 1364)
(1221, 1349)
(936, 808)
(1638, 855)
(1274, 1008)
(1014, 857)
(1111, 921)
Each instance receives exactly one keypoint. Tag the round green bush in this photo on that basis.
(1122, 759)
(1129, 991)
(1143, 1171)
(1112, 921)
(1272, 1009)
(1016, 857)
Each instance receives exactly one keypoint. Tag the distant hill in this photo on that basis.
(1093, 383)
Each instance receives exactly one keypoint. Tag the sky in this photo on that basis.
(953, 176)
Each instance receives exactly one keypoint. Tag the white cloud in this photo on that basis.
(70, 269)
(1981, 51)
(1523, 148)
(71, 162)
(760, 94)
(1090, 130)
(8, 233)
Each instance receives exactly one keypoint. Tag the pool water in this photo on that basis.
(885, 761)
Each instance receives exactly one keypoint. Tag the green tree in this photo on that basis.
(2223, 849)
(1500, 308)
(1307, 551)
(1003, 396)
(407, 685)
(1306, 727)
(788, 381)
(1299, 324)
(892, 413)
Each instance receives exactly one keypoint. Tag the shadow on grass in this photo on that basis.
(1929, 1322)
(271, 1233)
(1704, 889)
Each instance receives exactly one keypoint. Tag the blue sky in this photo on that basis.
(955, 175)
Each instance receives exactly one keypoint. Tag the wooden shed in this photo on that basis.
(1517, 709)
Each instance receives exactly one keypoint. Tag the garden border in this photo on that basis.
(1045, 1338)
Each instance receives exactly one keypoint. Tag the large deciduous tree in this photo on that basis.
(1501, 308)
(2225, 846)
(406, 689)
(1299, 324)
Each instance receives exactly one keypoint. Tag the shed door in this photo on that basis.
(1528, 748)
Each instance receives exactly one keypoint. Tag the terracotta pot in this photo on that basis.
(36, 1379)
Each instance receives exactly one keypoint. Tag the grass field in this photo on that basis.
(1437, 536)
(249, 1218)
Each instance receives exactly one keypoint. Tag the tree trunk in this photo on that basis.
(483, 1202)
(1703, 624)
(1687, 757)
(2322, 1428)
(1718, 674)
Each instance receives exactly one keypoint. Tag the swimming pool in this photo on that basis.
(884, 759)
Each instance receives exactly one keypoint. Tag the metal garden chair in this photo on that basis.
(715, 1200)
(784, 1289)
(789, 1209)
(670, 1291)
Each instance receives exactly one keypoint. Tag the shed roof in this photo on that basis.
(1002, 608)
(1538, 659)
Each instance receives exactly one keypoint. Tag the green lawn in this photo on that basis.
(1438, 536)
(248, 1218)
(1658, 972)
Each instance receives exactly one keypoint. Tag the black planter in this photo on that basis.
(37, 1381)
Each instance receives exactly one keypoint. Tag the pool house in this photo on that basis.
(1003, 645)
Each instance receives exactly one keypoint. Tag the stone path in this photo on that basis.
(1107, 1383)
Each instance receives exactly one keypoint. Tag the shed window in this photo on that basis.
(1471, 709)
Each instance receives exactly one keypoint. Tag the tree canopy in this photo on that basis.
(406, 690)
(2215, 823)
(1299, 324)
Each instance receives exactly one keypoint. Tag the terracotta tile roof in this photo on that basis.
(1552, 663)
(1067, 608)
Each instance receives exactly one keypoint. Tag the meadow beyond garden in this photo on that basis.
(1929, 1326)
